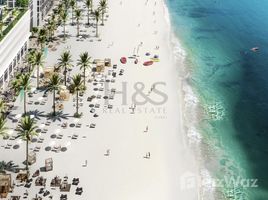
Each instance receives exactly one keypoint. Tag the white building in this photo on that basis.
(11, 3)
(40, 8)
(13, 48)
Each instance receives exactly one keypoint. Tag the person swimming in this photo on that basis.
(254, 49)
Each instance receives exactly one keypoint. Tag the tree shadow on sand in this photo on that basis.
(58, 117)
(37, 114)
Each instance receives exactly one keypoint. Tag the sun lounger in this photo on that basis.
(40, 140)
(56, 148)
(74, 136)
(64, 125)
(15, 198)
(55, 182)
(92, 125)
(46, 193)
(8, 146)
(63, 197)
(79, 191)
(59, 136)
(36, 173)
(40, 181)
(75, 181)
(65, 187)
(37, 148)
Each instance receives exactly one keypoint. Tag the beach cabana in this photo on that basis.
(49, 164)
(5, 185)
(100, 66)
(107, 62)
(64, 95)
(48, 71)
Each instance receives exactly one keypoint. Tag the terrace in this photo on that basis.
(9, 19)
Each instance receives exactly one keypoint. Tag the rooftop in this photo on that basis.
(9, 19)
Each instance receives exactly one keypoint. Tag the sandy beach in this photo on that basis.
(155, 128)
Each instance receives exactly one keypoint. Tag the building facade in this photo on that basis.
(13, 47)
(40, 8)
(11, 3)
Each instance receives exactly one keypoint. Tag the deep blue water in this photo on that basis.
(231, 82)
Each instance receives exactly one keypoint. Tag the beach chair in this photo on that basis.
(92, 125)
(56, 148)
(65, 187)
(59, 136)
(74, 136)
(75, 181)
(78, 125)
(8, 146)
(36, 173)
(79, 191)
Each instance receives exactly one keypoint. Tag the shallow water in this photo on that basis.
(232, 84)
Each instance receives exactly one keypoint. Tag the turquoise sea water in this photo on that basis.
(232, 84)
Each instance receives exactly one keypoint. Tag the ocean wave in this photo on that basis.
(191, 105)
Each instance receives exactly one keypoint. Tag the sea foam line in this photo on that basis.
(191, 104)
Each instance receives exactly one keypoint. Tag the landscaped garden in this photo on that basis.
(9, 19)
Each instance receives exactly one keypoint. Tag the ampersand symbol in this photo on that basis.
(139, 87)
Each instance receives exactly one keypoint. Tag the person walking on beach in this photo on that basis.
(146, 130)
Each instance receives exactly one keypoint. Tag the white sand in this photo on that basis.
(125, 174)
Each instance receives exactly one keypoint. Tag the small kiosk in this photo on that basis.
(32, 157)
(107, 62)
(48, 71)
(49, 164)
(64, 94)
(5, 185)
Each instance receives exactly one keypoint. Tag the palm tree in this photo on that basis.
(72, 4)
(88, 5)
(51, 28)
(26, 130)
(84, 63)
(96, 14)
(91, 9)
(24, 86)
(3, 107)
(67, 4)
(65, 62)
(42, 37)
(1, 27)
(75, 87)
(103, 6)
(54, 84)
(34, 31)
(38, 61)
(64, 17)
(30, 59)
(3, 128)
(15, 84)
(78, 15)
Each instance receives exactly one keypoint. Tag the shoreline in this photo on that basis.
(192, 110)
(126, 173)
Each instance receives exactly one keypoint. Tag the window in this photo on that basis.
(10, 69)
(18, 57)
(6, 75)
(14, 62)
(1, 81)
